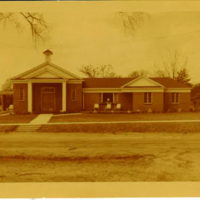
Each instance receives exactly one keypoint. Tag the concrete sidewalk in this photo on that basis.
(43, 120)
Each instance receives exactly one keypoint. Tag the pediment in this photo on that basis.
(142, 82)
(47, 74)
(47, 70)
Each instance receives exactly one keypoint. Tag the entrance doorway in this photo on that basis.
(48, 99)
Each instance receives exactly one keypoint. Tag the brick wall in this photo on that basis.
(185, 99)
(20, 107)
(89, 100)
(7, 101)
(74, 106)
(157, 102)
(126, 101)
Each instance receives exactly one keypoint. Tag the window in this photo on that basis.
(21, 94)
(48, 89)
(115, 99)
(73, 95)
(107, 97)
(100, 97)
(175, 98)
(147, 97)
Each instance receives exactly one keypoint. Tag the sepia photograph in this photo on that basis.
(99, 94)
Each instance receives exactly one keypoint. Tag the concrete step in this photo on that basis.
(27, 128)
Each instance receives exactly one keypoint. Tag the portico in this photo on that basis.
(47, 94)
(44, 89)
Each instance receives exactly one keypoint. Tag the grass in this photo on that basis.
(101, 158)
(50, 157)
(16, 118)
(6, 129)
(188, 127)
(125, 117)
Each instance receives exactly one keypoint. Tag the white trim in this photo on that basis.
(175, 98)
(142, 90)
(21, 89)
(140, 77)
(115, 97)
(121, 90)
(8, 92)
(64, 70)
(101, 90)
(44, 80)
(43, 90)
(43, 64)
(30, 70)
(148, 103)
(40, 81)
(75, 95)
(45, 70)
(64, 96)
(19, 81)
(83, 100)
(75, 81)
(30, 103)
(179, 90)
(100, 97)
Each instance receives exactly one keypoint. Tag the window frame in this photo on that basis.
(45, 90)
(21, 94)
(177, 96)
(148, 97)
(115, 98)
(75, 96)
(100, 97)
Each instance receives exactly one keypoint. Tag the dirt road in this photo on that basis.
(99, 157)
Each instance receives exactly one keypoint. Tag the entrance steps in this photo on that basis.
(27, 128)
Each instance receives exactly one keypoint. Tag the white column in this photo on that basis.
(30, 106)
(83, 101)
(64, 95)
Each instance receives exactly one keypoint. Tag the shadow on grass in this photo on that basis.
(135, 157)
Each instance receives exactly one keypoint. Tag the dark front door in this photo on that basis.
(48, 99)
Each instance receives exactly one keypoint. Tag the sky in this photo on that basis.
(97, 37)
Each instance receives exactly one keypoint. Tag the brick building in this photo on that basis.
(48, 88)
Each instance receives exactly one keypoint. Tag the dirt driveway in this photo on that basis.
(66, 157)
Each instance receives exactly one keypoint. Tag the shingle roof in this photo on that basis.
(170, 83)
(119, 82)
(105, 82)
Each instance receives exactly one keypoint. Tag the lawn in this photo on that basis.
(80, 157)
(124, 117)
(16, 118)
(171, 127)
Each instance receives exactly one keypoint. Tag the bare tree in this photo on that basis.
(173, 66)
(35, 21)
(7, 86)
(136, 74)
(104, 71)
(132, 21)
